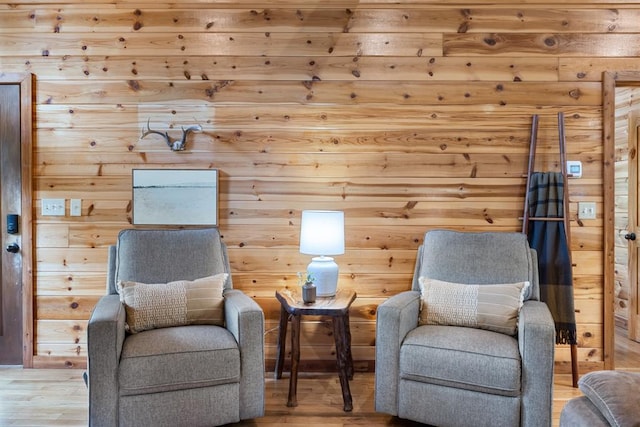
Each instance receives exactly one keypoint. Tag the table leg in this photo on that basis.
(347, 343)
(281, 346)
(339, 332)
(295, 360)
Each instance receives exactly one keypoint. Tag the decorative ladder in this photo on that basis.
(565, 204)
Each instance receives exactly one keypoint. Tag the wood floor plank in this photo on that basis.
(58, 397)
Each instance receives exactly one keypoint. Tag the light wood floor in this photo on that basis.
(57, 397)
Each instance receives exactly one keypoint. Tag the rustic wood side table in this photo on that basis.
(292, 306)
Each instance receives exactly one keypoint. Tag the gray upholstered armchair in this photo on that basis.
(610, 399)
(446, 375)
(194, 374)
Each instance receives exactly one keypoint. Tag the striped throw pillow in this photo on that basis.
(183, 302)
(494, 307)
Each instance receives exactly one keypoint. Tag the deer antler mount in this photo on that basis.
(176, 144)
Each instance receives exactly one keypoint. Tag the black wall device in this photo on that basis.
(12, 224)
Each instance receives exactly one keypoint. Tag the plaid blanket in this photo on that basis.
(549, 239)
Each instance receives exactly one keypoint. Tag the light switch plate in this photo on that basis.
(75, 207)
(586, 210)
(53, 207)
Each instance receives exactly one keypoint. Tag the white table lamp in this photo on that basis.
(322, 233)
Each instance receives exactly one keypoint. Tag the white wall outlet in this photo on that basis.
(53, 207)
(75, 207)
(586, 210)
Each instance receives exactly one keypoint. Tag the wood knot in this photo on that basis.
(490, 41)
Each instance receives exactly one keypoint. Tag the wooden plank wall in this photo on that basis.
(406, 115)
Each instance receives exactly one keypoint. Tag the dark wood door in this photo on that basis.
(10, 204)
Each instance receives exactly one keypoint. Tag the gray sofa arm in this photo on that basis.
(245, 320)
(536, 339)
(395, 318)
(105, 337)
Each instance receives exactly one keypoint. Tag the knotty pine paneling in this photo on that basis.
(76, 283)
(267, 44)
(591, 69)
(304, 68)
(401, 18)
(366, 285)
(515, 44)
(419, 141)
(406, 115)
(406, 93)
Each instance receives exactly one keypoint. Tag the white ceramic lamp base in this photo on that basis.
(324, 271)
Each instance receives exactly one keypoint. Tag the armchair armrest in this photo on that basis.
(536, 339)
(245, 320)
(105, 337)
(395, 318)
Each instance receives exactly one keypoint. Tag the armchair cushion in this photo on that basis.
(178, 303)
(494, 307)
(615, 395)
(486, 361)
(183, 357)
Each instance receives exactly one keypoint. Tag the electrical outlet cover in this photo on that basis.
(75, 207)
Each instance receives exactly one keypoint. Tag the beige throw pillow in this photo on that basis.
(494, 307)
(183, 302)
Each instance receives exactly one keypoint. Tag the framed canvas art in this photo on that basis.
(175, 197)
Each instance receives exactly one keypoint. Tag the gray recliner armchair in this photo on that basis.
(186, 375)
(610, 399)
(446, 375)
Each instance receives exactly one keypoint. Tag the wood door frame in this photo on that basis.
(610, 80)
(25, 81)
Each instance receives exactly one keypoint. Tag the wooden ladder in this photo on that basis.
(565, 205)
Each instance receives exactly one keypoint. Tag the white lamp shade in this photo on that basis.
(322, 233)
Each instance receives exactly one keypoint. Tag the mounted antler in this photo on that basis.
(185, 132)
(177, 145)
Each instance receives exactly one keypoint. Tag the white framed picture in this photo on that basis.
(175, 196)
